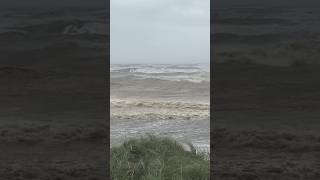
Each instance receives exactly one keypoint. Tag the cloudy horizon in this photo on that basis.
(160, 31)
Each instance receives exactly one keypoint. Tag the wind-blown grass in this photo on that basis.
(154, 158)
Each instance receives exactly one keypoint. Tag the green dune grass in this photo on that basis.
(154, 158)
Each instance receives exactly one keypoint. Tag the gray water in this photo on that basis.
(164, 100)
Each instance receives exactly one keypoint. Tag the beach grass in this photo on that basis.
(157, 158)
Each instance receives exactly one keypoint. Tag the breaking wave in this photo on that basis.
(195, 73)
(139, 109)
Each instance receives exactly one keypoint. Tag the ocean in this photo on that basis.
(276, 36)
(52, 108)
(169, 100)
(266, 89)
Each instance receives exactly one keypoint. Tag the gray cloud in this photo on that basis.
(160, 31)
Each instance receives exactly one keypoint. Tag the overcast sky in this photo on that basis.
(160, 31)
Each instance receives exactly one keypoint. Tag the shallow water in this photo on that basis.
(196, 132)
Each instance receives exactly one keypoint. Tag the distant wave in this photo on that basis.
(129, 70)
(161, 68)
(191, 73)
(187, 77)
(66, 27)
(250, 21)
(87, 28)
(285, 53)
(195, 78)
(7, 35)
